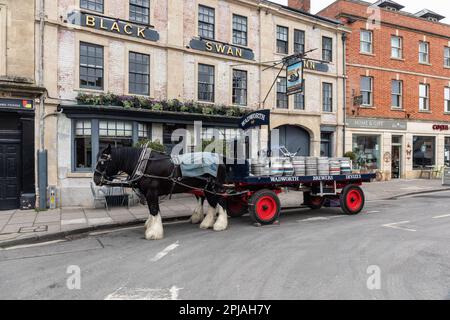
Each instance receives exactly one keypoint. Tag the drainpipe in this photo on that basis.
(344, 72)
(42, 153)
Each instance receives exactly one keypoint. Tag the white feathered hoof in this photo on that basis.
(155, 229)
(198, 214)
(222, 221)
(209, 220)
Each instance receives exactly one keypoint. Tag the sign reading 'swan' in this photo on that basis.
(222, 48)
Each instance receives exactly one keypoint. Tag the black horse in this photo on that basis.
(163, 177)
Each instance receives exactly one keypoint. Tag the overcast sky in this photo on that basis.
(439, 6)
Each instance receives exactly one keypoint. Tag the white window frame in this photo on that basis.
(397, 94)
(427, 52)
(426, 97)
(371, 92)
(400, 48)
(447, 56)
(447, 99)
(362, 41)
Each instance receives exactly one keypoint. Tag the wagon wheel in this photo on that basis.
(236, 207)
(352, 199)
(264, 207)
(313, 202)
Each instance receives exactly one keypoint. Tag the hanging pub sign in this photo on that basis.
(221, 48)
(112, 25)
(17, 104)
(255, 119)
(294, 77)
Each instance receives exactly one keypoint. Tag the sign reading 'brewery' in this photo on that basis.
(221, 48)
(16, 104)
(112, 25)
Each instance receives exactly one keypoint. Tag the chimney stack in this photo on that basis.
(303, 5)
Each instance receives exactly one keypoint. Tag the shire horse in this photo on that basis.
(163, 172)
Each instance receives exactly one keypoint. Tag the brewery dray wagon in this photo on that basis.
(258, 195)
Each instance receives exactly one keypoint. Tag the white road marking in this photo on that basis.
(394, 226)
(33, 245)
(73, 221)
(374, 212)
(443, 216)
(144, 294)
(164, 252)
(96, 233)
(313, 219)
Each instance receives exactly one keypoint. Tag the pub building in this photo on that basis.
(18, 93)
(398, 88)
(213, 54)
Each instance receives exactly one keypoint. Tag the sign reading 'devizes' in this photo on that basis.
(16, 104)
(221, 48)
(112, 25)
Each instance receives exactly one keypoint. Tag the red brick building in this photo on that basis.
(398, 87)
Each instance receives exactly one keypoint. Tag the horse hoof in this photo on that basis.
(196, 219)
(219, 227)
(153, 235)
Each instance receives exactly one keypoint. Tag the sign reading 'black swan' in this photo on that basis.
(255, 119)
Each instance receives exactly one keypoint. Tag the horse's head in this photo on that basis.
(105, 169)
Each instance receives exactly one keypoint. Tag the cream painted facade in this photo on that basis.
(174, 71)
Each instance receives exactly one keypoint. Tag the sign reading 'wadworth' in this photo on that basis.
(221, 48)
(112, 25)
(387, 124)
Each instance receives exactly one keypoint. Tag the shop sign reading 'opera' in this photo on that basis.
(112, 25)
(221, 48)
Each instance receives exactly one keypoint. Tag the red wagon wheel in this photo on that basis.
(236, 207)
(352, 199)
(264, 207)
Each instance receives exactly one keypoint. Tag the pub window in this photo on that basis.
(396, 93)
(144, 131)
(327, 49)
(396, 47)
(447, 57)
(366, 41)
(91, 66)
(205, 83)
(93, 5)
(424, 56)
(83, 144)
(367, 91)
(282, 40)
(299, 41)
(116, 133)
(424, 151)
(447, 99)
(140, 11)
(327, 97)
(424, 97)
(299, 100)
(139, 74)
(239, 30)
(282, 97)
(206, 21)
(240, 87)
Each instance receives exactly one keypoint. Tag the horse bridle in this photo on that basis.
(104, 177)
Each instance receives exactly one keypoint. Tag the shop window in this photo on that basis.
(116, 133)
(447, 152)
(91, 66)
(327, 49)
(424, 97)
(366, 91)
(140, 11)
(447, 99)
(93, 5)
(424, 56)
(366, 41)
(299, 100)
(367, 150)
(282, 40)
(206, 21)
(205, 83)
(282, 97)
(326, 144)
(83, 145)
(139, 74)
(144, 131)
(447, 57)
(396, 94)
(424, 151)
(299, 41)
(168, 130)
(396, 47)
(327, 97)
(240, 87)
(239, 30)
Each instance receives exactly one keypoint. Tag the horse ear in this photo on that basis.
(108, 149)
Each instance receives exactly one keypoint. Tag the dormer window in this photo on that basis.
(391, 9)
(433, 19)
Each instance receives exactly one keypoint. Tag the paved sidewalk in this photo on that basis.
(28, 226)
